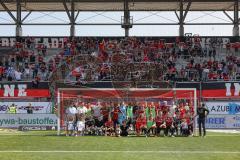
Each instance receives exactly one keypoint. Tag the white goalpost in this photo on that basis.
(63, 94)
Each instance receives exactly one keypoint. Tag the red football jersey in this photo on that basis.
(115, 114)
(109, 124)
(169, 121)
(159, 121)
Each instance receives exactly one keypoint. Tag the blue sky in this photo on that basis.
(115, 17)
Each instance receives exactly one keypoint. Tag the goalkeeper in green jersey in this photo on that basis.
(129, 113)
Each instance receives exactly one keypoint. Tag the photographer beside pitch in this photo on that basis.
(202, 113)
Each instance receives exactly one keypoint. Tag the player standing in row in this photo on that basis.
(122, 114)
(70, 119)
(80, 115)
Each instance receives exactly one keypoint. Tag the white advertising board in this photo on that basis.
(38, 107)
(222, 121)
(223, 108)
(17, 120)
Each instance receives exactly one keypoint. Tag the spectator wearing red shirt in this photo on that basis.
(228, 46)
(1, 72)
(40, 59)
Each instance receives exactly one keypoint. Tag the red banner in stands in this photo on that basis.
(30, 93)
(58, 42)
(23, 90)
(214, 89)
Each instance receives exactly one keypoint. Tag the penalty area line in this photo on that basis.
(172, 152)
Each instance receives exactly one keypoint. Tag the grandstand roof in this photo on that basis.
(117, 5)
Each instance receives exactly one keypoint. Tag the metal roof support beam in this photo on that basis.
(71, 16)
(182, 16)
(66, 9)
(235, 19)
(26, 16)
(177, 15)
(126, 19)
(72, 19)
(186, 11)
(8, 11)
(76, 16)
(228, 16)
(19, 19)
(181, 19)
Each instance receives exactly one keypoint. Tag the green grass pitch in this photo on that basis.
(45, 146)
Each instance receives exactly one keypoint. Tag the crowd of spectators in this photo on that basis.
(122, 59)
(145, 59)
(26, 63)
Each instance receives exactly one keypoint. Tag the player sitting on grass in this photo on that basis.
(177, 123)
(141, 125)
(184, 127)
(108, 128)
(160, 124)
(131, 129)
(124, 129)
(169, 126)
(99, 131)
(117, 130)
(189, 119)
(89, 125)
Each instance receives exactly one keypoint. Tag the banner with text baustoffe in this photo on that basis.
(17, 120)
(38, 107)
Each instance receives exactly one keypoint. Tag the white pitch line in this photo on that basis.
(173, 152)
(227, 135)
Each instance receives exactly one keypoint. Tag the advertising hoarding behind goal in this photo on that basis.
(17, 120)
(224, 107)
(38, 107)
(223, 115)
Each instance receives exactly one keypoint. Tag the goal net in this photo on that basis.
(179, 103)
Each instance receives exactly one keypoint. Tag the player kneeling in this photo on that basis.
(169, 126)
(141, 125)
(108, 128)
(117, 130)
(124, 129)
(151, 126)
(184, 126)
(160, 125)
